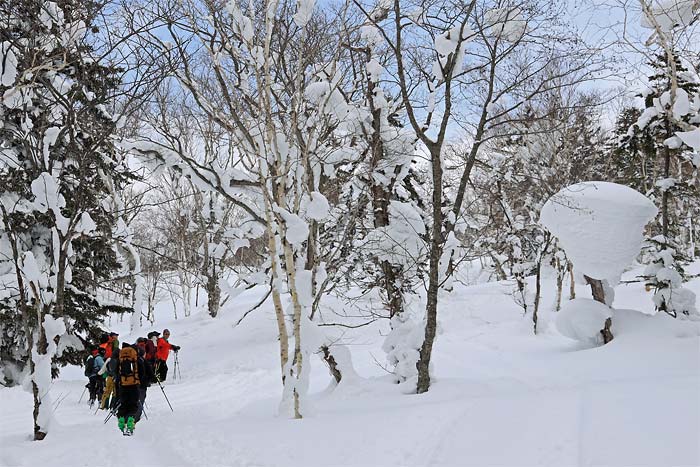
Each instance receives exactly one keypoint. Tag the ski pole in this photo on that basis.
(176, 370)
(112, 412)
(166, 396)
(81, 396)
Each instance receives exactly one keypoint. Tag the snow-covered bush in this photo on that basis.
(666, 275)
(402, 346)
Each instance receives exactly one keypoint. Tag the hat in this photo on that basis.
(153, 333)
(141, 339)
(113, 333)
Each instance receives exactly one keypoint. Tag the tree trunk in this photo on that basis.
(538, 291)
(606, 332)
(597, 289)
(572, 282)
(423, 364)
(394, 295)
(38, 434)
(691, 237)
(187, 297)
(560, 283)
(24, 308)
(598, 292)
(499, 269)
(665, 195)
(42, 345)
(521, 282)
(381, 196)
(332, 364)
(436, 243)
(298, 360)
(276, 293)
(213, 294)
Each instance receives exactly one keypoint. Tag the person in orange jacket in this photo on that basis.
(104, 342)
(110, 344)
(162, 353)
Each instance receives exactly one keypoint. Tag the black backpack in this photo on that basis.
(89, 364)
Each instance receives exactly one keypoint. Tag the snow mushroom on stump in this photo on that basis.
(600, 227)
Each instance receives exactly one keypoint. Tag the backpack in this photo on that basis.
(128, 367)
(89, 364)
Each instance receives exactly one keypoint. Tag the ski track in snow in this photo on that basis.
(500, 397)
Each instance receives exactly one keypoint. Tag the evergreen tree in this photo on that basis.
(653, 137)
(652, 142)
(633, 154)
(60, 175)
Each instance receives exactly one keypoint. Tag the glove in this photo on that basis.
(176, 348)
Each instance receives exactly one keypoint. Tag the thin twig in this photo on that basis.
(259, 304)
(349, 325)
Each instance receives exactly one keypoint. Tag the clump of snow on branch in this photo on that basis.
(452, 41)
(8, 64)
(691, 138)
(506, 23)
(317, 207)
(399, 242)
(305, 9)
(669, 14)
(600, 226)
(297, 230)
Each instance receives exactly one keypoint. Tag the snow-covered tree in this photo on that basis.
(654, 135)
(59, 178)
(491, 52)
(672, 118)
(273, 84)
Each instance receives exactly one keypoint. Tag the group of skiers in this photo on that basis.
(118, 378)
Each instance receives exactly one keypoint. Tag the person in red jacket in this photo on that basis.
(162, 353)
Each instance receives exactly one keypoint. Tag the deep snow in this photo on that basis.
(500, 396)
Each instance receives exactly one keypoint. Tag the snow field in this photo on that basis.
(500, 397)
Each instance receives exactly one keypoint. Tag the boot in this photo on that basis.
(121, 424)
(129, 426)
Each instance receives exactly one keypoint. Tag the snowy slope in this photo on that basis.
(500, 397)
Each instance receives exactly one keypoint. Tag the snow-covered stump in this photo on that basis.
(600, 226)
(580, 319)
